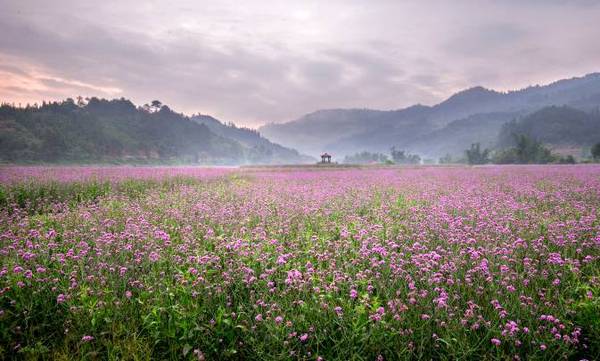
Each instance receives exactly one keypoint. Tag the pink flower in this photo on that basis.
(61, 298)
(376, 317)
(496, 342)
(153, 256)
(259, 317)
(281, 260)
(353, 293)
(304, 337)
(278, 320)
(199, 355)
(87, 338)
(162, 235)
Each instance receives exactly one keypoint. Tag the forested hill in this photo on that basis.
(116, 130)
(556, 126)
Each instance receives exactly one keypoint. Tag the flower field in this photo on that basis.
(491, 263)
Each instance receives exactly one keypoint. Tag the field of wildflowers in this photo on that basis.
(348, 264)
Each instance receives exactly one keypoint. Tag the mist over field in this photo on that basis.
(299, 180)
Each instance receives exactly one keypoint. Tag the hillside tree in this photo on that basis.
(403, 157)
(477, 156)
(596, 151)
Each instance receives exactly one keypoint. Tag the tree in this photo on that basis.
(596, 151)
(569, 159)
(81, 102)
(477, 156)
(526, 151)
(366, 158)
(156, 105)
(153, 107)
(531, 151)
(447, 159)
(402, 157)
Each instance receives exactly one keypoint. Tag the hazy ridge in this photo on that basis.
(473, 115)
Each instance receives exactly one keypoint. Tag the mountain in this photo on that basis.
(257, 148)
(556, 126)
(118, 131)
(473, 115)
(458, 135)
(333, 129)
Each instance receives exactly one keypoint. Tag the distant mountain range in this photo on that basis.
(116, 130)
(473, 115)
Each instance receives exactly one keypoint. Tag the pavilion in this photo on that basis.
(325, 158)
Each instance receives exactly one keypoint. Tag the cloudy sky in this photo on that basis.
(273, 61)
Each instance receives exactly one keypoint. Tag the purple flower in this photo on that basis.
(162, 235)
(153, 256)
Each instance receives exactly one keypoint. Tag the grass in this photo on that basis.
(40, 196)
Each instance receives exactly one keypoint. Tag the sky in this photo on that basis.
(256, 62)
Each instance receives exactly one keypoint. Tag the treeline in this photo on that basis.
(525, 151)
(366, 158)
(396, 156)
